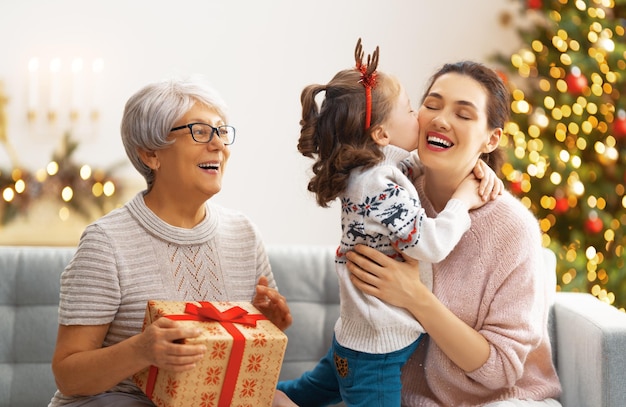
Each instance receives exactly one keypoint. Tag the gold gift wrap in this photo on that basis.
(244, 355)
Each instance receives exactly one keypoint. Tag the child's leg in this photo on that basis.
(317, 387)
(370, 380)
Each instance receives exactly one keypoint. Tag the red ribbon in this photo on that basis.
(207, 312)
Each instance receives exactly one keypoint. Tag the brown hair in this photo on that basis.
(334, 135)
(498, 100)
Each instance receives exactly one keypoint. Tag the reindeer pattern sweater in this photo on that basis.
(381, 209)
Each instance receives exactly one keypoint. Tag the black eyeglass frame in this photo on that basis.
(214, 130)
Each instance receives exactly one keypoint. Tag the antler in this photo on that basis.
(372, 63)
(358, 55)
(372, 60)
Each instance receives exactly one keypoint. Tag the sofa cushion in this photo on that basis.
(310, 286)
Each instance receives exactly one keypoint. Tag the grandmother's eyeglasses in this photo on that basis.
(203, 133)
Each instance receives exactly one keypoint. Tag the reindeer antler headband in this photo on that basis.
(368, 77)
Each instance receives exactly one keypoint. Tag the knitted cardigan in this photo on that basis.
(380, 208)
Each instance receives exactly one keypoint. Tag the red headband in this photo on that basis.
(368, 77)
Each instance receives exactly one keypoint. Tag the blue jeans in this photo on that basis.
(359, 379)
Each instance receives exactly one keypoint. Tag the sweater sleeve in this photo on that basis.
(263, 262)
(412, 166)
(410, 230)
(90, 289)
(517, 295)
(438, 236)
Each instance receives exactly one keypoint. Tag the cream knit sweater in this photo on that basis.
(131, 256)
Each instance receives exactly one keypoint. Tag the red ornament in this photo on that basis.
(516, 187)
(619, 124)
(534, 4)
(561, 206)
(503, 76)
(593, 224)
(576, 81)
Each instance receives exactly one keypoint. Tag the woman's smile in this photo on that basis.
(438, 142)
(211, 167)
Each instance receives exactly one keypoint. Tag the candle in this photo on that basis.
(55, 85)
(77, 87)
(97, 68)
(33, 84)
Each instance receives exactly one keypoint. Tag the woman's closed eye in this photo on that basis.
(465, 113)
(461, 114)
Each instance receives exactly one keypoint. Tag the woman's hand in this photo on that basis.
(82, 366)
(272, 304)
(398, 284)
(374, 273)
(162, 344)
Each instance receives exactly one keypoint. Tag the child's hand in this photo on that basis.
(490, 185)
(468, 192)
(412, 166)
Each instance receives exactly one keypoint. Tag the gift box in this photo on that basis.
(244, 355)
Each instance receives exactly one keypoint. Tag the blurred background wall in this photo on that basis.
(82, 60)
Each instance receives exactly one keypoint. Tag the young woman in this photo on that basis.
(361, 139)
(168, 242)
(491, 292)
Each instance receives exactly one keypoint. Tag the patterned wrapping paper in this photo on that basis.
(240, 368)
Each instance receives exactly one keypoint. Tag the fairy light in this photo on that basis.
(64, 213)
(92, 193)
(67, 193)
(52, 168)
(20, 186)
(8, 194)
(108, 188)
(85, 172)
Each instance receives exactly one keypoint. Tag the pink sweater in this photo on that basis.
(494, 281)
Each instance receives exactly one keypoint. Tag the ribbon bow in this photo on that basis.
(207, 312)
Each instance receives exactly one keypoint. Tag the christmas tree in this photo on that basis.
(567, 136)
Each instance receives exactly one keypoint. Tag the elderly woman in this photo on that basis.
(168, 242)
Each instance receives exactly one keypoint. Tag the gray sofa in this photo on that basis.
(589, 336)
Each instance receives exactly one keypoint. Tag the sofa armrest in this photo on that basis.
(591, 351)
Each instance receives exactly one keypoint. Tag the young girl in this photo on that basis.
(361, 139)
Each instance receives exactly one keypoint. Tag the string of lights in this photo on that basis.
(77, 188)
(567, 137)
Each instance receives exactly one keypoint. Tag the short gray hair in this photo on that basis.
(151, 112)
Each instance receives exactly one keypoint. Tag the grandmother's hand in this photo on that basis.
(392, 281)
(162, 344)
(272, 304)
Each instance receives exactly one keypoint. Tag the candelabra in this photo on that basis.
(68, 90)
